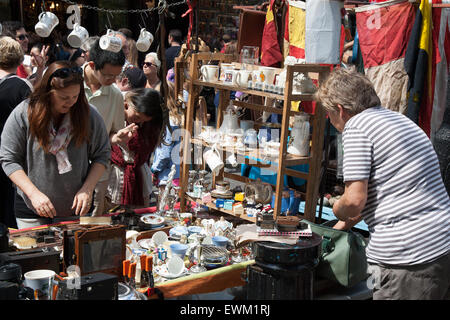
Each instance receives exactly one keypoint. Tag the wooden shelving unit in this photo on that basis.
(257, 157)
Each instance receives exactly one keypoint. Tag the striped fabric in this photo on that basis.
(407, 209)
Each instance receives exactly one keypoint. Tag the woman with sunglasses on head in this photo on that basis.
(54, 149)
(151, 67)
(130, 181)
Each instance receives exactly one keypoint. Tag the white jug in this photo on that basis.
(229, 123)
(299, 138)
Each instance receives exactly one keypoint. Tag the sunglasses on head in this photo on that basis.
(148, 64)
(64, 73)
(22, 37)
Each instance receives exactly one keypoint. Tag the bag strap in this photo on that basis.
(12, 75)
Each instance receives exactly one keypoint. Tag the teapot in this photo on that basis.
(258, 192)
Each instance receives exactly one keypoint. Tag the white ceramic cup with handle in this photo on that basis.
(210, 72)
(213, 159)
(78, 36)
(230, 77)
(267, 75)
(223, 68)
(242, 77)
(41, 280)
(145, 40)
(47, 22)
(110, 42)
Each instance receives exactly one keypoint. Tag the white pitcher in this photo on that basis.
(299, 138)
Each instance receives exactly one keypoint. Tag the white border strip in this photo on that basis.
(379, 5)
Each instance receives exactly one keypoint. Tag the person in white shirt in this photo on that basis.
(392, 181)
(99, 74)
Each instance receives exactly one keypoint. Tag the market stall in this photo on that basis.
(221, 228)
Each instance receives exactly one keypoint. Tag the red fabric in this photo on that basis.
(191, 4)
(142, 149)
(270, 49)
(426, 108)
(384, 33)
(21, 72)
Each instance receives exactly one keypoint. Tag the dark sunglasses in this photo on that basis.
(64, 73)
(148, 64)
(22, 37)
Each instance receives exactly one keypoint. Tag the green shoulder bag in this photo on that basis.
(343, 256)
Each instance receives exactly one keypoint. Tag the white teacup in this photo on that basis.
(110, 42)
(223, 68)
(47, 22)
(78, 36)
(145, 40)
(230, 77)
(210, 72)
(41, 280)
(214, 161)
(266, 75)
(242, 77)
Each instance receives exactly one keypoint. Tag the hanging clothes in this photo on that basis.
(383, 32)
(270, 48)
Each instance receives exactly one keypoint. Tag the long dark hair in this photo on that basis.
(39, 110)
(149, 102)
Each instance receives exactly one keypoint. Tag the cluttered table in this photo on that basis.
(184, 258)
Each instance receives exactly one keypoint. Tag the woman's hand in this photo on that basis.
(42, 58)
(82, 202)
(42, 204)
(124, 135)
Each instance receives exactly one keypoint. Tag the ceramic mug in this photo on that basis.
(47, 22)
(110, 42)
(223, 68)
(210, 72)
(145, 40)
(78, 35)
(266, 75)
(41, 280)
(214, 161)
(230, 76)
(242, 78)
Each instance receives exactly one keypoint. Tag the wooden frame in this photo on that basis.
(314, 160)
(86, 237)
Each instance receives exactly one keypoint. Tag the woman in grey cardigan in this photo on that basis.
(54, 148)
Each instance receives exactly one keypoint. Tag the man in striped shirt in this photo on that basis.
(393, 182)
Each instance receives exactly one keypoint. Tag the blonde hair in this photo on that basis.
(351, 89)
(11, 53)
(173, 105)
(132, 52)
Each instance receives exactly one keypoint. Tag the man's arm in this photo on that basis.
(348, 208)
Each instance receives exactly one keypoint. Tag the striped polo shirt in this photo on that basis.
(408, 208)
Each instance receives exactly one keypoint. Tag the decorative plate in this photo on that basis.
(146, 243)
(159, 238)
(152, 219)
(163, 272)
